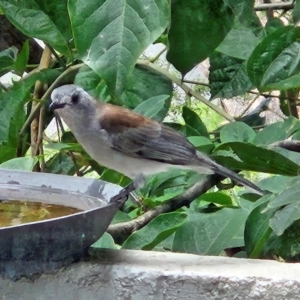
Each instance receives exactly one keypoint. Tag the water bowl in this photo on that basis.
(34, 247)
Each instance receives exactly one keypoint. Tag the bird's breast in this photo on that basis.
(99, 149)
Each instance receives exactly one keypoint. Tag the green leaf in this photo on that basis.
(143, 83)
(211, 233)
(278, 131)
(47, 21)
(61, 163)
(217, 198)
(115, 34)
(286, 84)
(246, 40)
(273, 24)
(201, 143)
(155, 231)
(285, 246)
(7, 58)
(157, 184)
(115, 177)
(20, 163)
(276, 184)
(154, 108)
(275, 58)
(22, 59)
(286, 216)
(245, 16)
(192, 119)
(228, 76)
(11, 104)
(287, 196)
(63, 146)
(236, 132)
(106, 241)
(192, 23)
(155, 201)
(257, 229)
(253, 158)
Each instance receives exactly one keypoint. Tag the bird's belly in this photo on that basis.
(113, 159)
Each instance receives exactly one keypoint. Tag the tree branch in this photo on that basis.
(292, 145)
(121, 231)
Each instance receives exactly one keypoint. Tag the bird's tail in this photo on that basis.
(216, 168)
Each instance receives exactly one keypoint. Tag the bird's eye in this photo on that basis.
(75, 98)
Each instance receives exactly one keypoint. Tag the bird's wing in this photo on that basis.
(141, 137)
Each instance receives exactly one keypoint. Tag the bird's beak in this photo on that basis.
(55, 105)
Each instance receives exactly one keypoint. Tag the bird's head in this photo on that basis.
(72, 99)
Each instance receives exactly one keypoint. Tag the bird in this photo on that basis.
(130, 143)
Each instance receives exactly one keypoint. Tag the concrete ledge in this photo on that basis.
(145, 275)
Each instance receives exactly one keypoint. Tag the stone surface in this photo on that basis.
(136, 275)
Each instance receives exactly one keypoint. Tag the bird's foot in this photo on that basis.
(122, 196)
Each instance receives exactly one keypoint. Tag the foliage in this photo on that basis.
(99, 45)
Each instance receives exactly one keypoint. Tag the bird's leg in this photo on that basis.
(122, 196)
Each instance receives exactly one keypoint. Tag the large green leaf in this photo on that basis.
(211, 233)
(236, 132)
(196, 24)
(217, 198)
(45, 20)
(278, 131)
(285, 246)
(257, 229)
(276, 184)
(155, 231)
(245, 16)
(201, 143)
(246, 40)
(110, 35)
(143, 83)
(250, 157)
(227, 77)
(276, 59)
(154, 107)
(286, 216)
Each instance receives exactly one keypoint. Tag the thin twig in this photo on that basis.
(188, 90)
(249, 92)
(247, 107)
(156, 57)
(280, 5)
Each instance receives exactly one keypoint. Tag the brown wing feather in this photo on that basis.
(116, 119)
(141, 137)
(128, 131)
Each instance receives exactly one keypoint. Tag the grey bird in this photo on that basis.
(130, 143)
